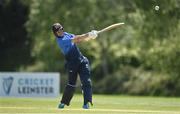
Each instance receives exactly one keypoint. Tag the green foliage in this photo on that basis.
(140, 58)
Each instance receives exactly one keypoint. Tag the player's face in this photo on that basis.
(60, 32)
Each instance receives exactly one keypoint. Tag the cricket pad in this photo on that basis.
(68, 94)
(87, 93)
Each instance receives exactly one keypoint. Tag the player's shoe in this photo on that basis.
(86, 106)
(61, 105)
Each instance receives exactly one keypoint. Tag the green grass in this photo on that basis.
(103, 104)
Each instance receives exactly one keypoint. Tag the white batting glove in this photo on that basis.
(93, 34)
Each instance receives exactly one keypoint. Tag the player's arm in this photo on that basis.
(80, 38)
(85, 37)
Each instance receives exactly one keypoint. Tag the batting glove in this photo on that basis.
(93, 34)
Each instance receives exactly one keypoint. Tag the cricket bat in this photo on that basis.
(113, 26)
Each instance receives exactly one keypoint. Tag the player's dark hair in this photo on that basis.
(56, 27)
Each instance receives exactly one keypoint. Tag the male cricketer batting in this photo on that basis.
(76, 64)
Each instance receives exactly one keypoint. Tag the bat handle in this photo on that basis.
(98, 32)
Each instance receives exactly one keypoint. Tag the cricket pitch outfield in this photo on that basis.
(103, 104)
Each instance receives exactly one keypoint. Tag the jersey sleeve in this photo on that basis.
(69, 36)
(72, 36)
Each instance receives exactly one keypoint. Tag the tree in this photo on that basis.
(14, 44)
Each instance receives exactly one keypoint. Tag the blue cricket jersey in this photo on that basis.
(68, 48)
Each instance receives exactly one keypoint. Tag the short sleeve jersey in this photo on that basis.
(68, 48)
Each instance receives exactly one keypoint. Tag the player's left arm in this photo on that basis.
(80, 38)
(85, 37)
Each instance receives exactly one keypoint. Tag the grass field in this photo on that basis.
(103, 104)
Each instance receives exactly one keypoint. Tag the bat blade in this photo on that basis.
(113, 26)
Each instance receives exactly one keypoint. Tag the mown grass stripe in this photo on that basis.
(94, 110)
